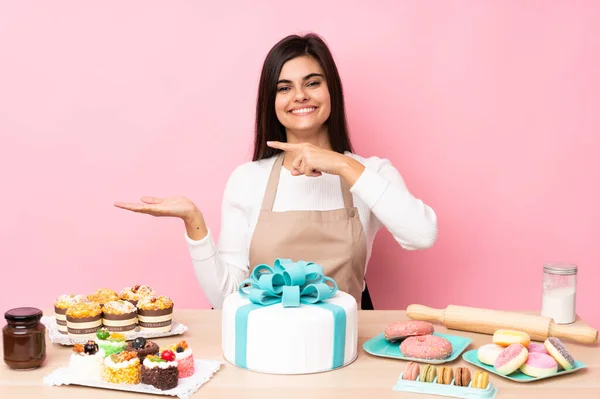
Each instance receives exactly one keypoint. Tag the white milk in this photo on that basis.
(559, 304)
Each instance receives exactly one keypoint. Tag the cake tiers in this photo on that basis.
(155, 320)
(120, 322)
(83, 326)
(61, 320)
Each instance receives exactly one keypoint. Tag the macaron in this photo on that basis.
(509, 337)
(462, 377)
(539, 365)
(487, 354)
(557, 350)
(402, 329)
(480, 380)
(511, 358)
(411, 372)
(444, 375)
(428, 373)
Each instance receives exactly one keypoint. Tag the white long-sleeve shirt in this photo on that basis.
(380, 196)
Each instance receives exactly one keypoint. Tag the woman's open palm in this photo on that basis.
(180, 207)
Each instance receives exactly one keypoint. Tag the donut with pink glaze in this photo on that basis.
(402, 329)
(426, 347)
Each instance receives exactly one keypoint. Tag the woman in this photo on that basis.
(305, 195)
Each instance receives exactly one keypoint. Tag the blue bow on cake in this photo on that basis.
(290, 283)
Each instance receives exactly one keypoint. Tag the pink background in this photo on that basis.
(488, 109)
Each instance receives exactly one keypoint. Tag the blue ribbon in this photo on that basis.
(291, 284)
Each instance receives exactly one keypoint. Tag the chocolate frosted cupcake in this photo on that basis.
(103, 295)
(119, 316)
(135, 293)
(84, 319)
(61, 305)
(142, 347)
(160, 371)
(155, 313)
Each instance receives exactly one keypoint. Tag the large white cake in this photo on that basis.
(290, 340)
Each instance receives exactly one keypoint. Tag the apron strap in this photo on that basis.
(269, 198)
(273, 182)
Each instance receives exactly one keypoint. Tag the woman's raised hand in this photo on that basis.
(180, 207)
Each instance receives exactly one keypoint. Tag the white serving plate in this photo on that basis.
(65, 339)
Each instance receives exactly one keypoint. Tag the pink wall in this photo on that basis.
(488, 109)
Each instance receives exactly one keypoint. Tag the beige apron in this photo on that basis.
(333, 239)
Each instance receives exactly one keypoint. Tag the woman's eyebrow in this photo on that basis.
(310, 75)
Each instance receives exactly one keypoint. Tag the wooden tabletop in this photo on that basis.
(368, 377)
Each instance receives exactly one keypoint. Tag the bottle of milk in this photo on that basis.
(558, 294)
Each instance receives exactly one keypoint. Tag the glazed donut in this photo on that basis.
(426, 347)
(403, 329)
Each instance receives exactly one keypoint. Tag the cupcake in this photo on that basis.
(135, 293)
(119, 316)
(103, 295)
(160, 371)
(122, 368)
(142, 347)
(184, 357)
(86, 362)
(111, 343)
(155, 313)
(84, 320)
(61, 305)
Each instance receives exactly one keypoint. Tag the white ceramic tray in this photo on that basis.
(65, 339)
(186, 387)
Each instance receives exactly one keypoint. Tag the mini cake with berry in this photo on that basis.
(184, 357)
(111, 343)
(83, 320)
(119, 316)
(122, 368)
(103, 295)
(86, 362)
(142, 347)
(135, 293)
(160, 371)
(155, 313)
(61, 305)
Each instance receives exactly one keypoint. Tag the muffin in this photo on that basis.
(111, 343)
(142, 347)
(122, 368)
(84, 320)
(184, 357)
(160, 371)
(155, 313)
(86, 362)
(61, 305)
(119, 316)
(103, 295)
(135, 293)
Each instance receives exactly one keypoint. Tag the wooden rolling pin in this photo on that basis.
(487, 321)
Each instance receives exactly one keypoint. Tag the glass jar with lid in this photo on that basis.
(24, 339)
(559, 292)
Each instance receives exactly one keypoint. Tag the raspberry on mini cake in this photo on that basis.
(143, 347)
(160, 371)
(122, 368)
(119, 316)
(111, 343)
(103, 295)
(135, 293)
(86, 362)
(184, 357)
(155, 313)
(84, 319)
(61, 305)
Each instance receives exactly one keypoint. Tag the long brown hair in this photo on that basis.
(268, 127)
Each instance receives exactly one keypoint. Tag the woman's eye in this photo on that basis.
(283, 88)
(313, 84)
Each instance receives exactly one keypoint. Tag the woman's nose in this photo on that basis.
(301, 96)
